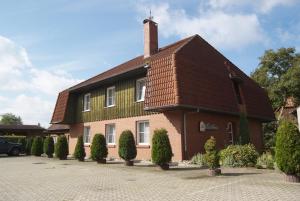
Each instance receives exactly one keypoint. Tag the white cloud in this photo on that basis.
(30, 92)
(224, 30)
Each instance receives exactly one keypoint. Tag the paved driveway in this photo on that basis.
(35, 178)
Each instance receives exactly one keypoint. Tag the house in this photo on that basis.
(187, 87)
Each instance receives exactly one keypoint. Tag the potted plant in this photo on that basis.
(79, 152)
(161, 152)
(211, 157)
(127, 148)
(287, 151)
(49, 146)
(61, 147)
(99, 149)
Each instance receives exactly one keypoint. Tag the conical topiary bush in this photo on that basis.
(37, 146)
(22, 141)
(211, 156)
(61, 147)
(99, 149)
(49, 146)
(127, 148)
(28, 146)
(79, 152)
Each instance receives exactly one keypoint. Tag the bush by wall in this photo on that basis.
(211, 156)
(161, 152)
(266, 160)
(287, 151)
(49, 146)
(98, 149)
(79, 152)
(127, 148)
(198, 159)
(37, 146)
(61, 147)
(244, 130)
(28, 145)
(239, 156)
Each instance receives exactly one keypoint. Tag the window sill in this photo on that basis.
(138, 101)
(143, 146)
(87, 144)
(110, 106)
(111, 146)
(86, 110)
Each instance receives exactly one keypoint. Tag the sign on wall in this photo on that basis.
(207, 127)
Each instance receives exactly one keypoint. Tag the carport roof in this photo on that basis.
(21, 129)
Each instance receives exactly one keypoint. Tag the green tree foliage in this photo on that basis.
(37, 146)
(23, 142)
(28, 146)
(244, 130)
(161, 152)
(79, 152)
(98, 149)
(211, 155)
(279, 73)
(10, 119)
(287, 152)
(49, 146)
(61, 147)
(127, 148)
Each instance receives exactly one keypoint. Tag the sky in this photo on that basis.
(47, 46)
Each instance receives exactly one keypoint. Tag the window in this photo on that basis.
(143, 132)
(110, 133)
(86, 135)
(87, 102)
(229, 130)
(140, 89)
(110, 96)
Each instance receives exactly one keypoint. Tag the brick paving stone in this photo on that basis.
(40, 179)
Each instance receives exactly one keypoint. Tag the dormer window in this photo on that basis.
(87, 102)
(140, 89)
(110, 96)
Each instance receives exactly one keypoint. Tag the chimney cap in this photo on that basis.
(148, 20)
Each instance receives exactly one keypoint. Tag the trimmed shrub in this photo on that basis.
(239, 156)
(161, 152)
(37, 146)
(127, 148)
(244, 130)
(28, 146)
(22, 141)
(198, 159)
(99, 149)
(61, 147)
(287, 151)
(266, 160)
(49, 146)
(211, 156)
(79, 152)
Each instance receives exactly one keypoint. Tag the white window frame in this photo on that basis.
(87, 104)
(138, 132)
(88, 141)
(113, 96)
(107, 130)
(137, 90)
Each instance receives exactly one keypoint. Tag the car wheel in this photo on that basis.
(15, 152)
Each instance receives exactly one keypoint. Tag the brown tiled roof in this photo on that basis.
(60, 107)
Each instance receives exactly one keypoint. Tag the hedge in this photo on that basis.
(37, 146)
(61, 147)
(49, 146)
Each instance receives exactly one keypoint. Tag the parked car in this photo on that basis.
(9, 148)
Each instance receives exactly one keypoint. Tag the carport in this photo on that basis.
(22, 130)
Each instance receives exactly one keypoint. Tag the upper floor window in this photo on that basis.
(140, 89)
(110, 96)
(86, 135)
(110, 133)
(143, 132)
(87, 102)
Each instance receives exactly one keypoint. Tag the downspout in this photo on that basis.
(185, 136)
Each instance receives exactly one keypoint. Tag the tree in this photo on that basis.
(98, 149)
(10, 119)
(61, 147)
(279, 73)
(37, 146)
(161, 152)
(127, 148)
(211, 155)
(22, 141)
(287, 153)
(244, 130)
(28, 146)
(49, 146)
(79, 152)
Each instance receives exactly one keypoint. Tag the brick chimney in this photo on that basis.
(150, 38)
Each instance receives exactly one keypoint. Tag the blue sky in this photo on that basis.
(47, 46)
